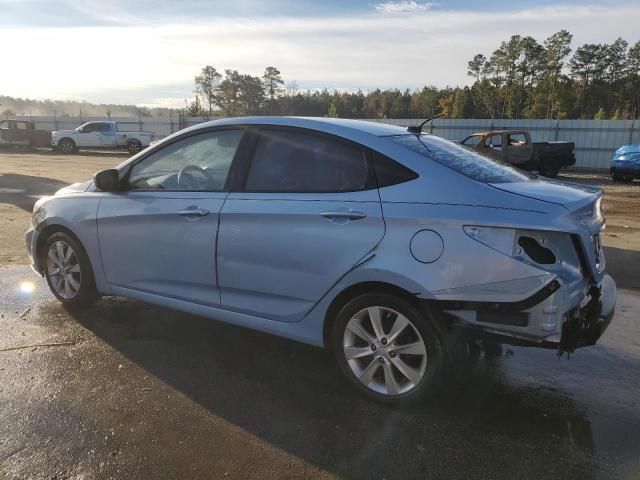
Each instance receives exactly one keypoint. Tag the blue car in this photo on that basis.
(378, 242)
(625, 164)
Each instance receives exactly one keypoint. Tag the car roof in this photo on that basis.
(315, 123)
(497, 131)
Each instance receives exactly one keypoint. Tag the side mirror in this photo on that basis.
(107, 180)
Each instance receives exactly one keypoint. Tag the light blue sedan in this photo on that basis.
(378, 242)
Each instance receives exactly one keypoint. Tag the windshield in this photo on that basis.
(460, 159)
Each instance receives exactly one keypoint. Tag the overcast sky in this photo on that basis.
(148, 51)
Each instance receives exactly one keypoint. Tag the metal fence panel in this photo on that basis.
(595, 140)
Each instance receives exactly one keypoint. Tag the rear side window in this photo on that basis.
(289, 161)
(460, 159)
(389, 172)
(516, 139)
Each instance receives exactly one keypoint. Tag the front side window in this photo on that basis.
(286, 161)
(472, 141)
(196, 163)
(105, 127)
(90, 127)
(460, 159)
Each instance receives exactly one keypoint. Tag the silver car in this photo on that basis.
(375, 241)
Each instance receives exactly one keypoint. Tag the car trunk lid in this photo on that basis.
(569, 195)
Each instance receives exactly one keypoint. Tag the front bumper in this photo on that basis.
(31, 242)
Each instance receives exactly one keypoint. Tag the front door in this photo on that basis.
(89, 135)
(6, 132)
(307, 213)
(159, 235)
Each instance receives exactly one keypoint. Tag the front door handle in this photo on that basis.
(193, 213)
(344, 215)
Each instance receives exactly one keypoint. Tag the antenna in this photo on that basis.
(418, 129)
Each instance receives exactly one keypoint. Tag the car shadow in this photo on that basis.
(291, 396)
(24, 190)
(623, 265)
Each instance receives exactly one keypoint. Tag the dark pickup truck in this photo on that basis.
(515, 147)
(23, 133)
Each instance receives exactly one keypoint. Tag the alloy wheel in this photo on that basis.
(63, 269)
(385, 351)
(66, 147)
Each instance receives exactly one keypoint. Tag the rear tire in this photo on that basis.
(387, 348)
(68, 271)
(134, 147)
(549, 168)
(67, 146)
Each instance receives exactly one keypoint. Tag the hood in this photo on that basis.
(74, 188)
(627, 149)
(627, 153)
(569, 195)
(63, 132)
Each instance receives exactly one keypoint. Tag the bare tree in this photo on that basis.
(207, 85)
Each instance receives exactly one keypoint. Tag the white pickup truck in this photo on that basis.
(99, 135)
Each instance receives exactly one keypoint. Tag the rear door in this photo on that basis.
(108, 134)
(305, 212)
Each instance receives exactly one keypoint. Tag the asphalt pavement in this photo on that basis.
(126, 390)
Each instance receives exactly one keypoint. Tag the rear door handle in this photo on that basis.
(344, 215)
(193, 213)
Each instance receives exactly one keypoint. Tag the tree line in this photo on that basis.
(526, 79)
(12, 106)
(522, 78)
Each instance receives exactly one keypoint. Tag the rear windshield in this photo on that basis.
(460, 159)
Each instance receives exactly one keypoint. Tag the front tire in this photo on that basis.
(68, 271)
(387, 348)
(621, 178)
(67, 146)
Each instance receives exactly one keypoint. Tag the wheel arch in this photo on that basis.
(356, 289)
(44, 235)
(69, 139)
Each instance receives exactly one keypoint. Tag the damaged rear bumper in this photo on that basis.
(584, 325)
(544, 320)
